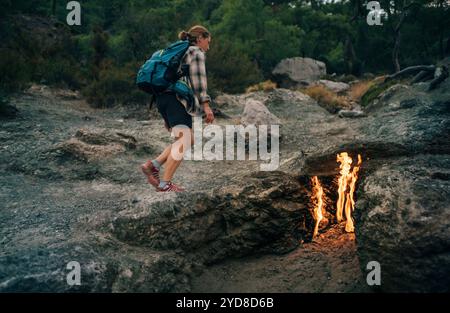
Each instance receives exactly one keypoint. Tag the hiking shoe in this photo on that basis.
(170, 187)
(152, 173)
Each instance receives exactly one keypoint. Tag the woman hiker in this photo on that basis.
(177, 113)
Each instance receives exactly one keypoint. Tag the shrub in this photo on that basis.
(334, 59)
(347, 78)
(115, 86)
(60, 72)
(15, 71)
(267, 85)
(326, 98)
(359, 89)
(375, 90)
(229, 69)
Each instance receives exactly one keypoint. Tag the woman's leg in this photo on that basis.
(184, 140)
(162, 158)
(173, 113)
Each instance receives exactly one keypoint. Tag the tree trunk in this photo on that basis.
(411, 70)
(357, 10)
(441, 29)
(397, 36)
(447, 49)
(53, 7)
(395, 52)
(314, 4)
(349, 55)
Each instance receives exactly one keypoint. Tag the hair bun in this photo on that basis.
(183, 35)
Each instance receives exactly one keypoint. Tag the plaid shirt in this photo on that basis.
(195, 58)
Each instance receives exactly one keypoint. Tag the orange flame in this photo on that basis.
(317, 198)
(347, 182)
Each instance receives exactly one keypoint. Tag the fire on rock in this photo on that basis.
(346, 188)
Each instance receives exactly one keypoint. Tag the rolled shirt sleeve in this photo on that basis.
(197, 71)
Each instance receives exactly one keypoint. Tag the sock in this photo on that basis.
(156, 164)
(162, 184)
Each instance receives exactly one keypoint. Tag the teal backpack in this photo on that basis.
(163, 70)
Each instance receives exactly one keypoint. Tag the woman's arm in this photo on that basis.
(197, 71)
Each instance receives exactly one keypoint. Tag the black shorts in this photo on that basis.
(172, 110)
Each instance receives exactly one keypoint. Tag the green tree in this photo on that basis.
(252, 28)
(229, 69)
(100, 47)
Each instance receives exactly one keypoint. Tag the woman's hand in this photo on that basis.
(209, 113)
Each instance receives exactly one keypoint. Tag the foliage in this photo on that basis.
(15, 73)
(115, 85)
(375, 90)
(248, 39)
(267, 85)
(230, 70)
(359, 89)
(327, 98)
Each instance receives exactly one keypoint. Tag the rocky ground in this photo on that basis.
(328, 264)
(71, 190)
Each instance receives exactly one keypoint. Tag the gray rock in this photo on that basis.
(402, 212)
(67, 94)
(256, 113)
(268, 212)
(288, 96)
(94, 144)
(400, 205)
(407, 123)
(298, 71)
(402, 218)
(334, 86)
(102, 137)
(44, 269)
(351, 113)
(225, 100)
(386, 97)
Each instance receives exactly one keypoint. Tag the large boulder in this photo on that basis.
(256, 113)
(402, 218)
(295, 72)
(265, 212)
